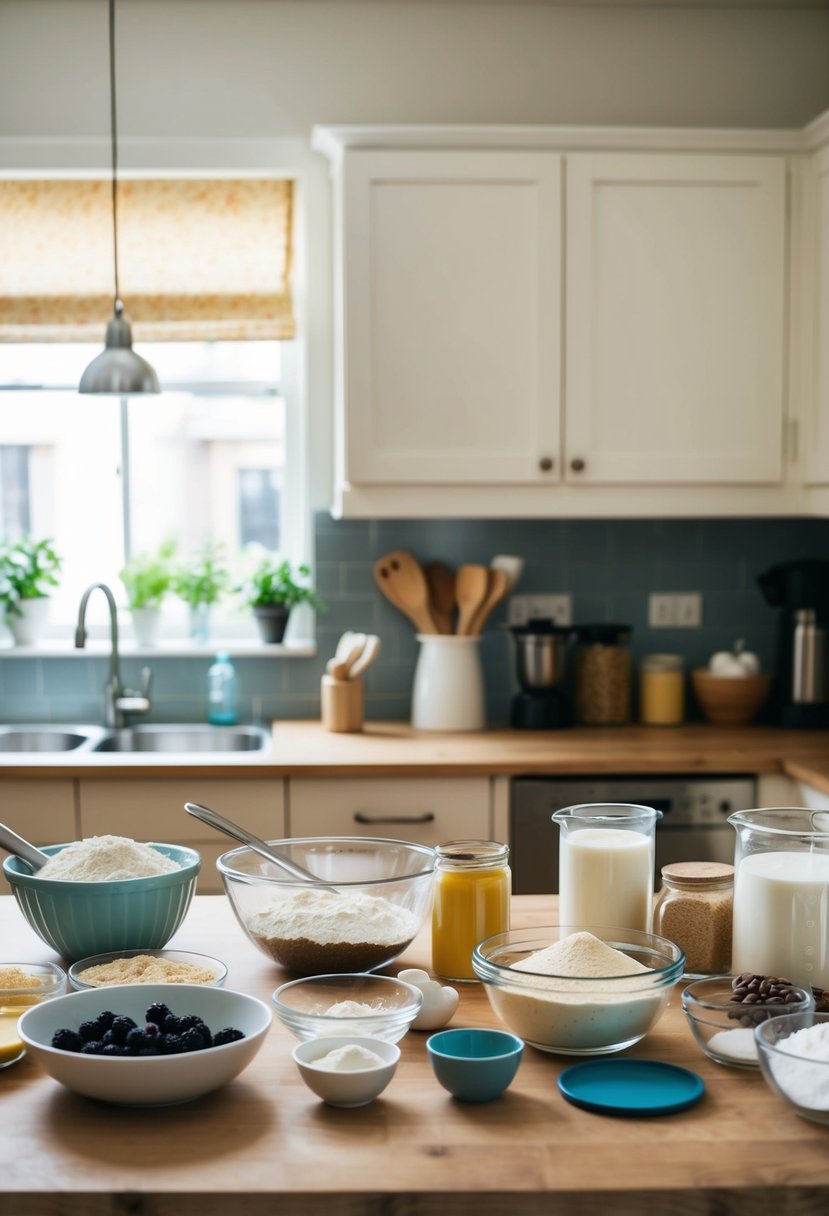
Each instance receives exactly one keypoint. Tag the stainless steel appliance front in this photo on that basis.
(693, 825)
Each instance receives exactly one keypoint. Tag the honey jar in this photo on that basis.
(471, 901)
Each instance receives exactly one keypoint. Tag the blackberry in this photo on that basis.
(170, 1044)
(193, 1040)
(88, 1031)
(150, 1049)
(229, 1035)
(92, 1047)
(103, 1022)
(112, 1049)
(135, 1040)
(157, 1014)
(191, 1021)
(120, 1028)
(67, 1040)
(171, 1025)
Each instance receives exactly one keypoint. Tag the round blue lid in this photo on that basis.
(631, 1087)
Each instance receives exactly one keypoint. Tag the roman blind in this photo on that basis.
(198, 259)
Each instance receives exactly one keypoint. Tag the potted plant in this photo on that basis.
(272, 589)
(147, 578)
(200, 583)
(28, 571)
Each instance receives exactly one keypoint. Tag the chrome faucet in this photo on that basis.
(118, 701)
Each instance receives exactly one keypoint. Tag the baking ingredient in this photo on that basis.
(751, 994)
(580, 956)
(350, 1058)
(471, 902)
(799, 1079)
(694, 909)
(780, 921)
(146, 969)
(106, 859)
(163, 1034)
(602, 695)
(12, 978)
(738, 1045)
(736, 663)
(10, 1044)
(661, 690)
(351, 1009)
(606, 878)
(439, 1000)
(313, 932)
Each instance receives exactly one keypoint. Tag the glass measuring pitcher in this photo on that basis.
(781, 894)
(606, 864)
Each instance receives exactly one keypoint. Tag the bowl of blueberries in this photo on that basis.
(146, 1044)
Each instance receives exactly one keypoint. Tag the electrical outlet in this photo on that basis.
(675, 611)
(523, 608)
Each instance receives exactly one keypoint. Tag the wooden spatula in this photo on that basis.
(401, 579)
(471, 587)
(441, 582)
(497, 591)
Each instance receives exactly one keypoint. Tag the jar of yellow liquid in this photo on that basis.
(21, 986)
(661, 690)
(472, 893)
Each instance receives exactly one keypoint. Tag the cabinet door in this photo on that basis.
(818, 458)
(451, 316)
(675, 318)
(422, 810)
(41, 811)
(153, 809)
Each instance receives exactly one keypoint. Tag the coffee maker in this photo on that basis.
(801, 691)
(541, 651)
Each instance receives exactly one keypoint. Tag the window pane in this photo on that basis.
(259, 521)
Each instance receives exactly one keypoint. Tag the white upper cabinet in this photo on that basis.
(452, 316)
(818, 457)
(675, 318)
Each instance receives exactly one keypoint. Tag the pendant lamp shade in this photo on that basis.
(118, 369)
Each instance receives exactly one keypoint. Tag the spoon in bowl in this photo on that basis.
(214, 820)
(12, 843)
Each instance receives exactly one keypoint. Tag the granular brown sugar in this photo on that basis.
(695, 910)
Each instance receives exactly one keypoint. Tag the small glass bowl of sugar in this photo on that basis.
(377, 1006)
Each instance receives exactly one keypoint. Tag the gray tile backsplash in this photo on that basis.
(609, 568)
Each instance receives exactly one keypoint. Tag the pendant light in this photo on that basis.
(118, 369)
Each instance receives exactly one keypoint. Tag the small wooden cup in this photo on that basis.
(342, 704)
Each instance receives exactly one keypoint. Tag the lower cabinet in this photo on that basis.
(153, 809)
(41, 811)
(425, 810)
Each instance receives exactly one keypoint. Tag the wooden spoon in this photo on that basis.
(498, 590)
(401, 579)
(441, 582)
(471, 587)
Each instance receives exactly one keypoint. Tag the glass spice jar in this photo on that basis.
(472, 892)
(602, 675)
(661, 690)
(694, 909)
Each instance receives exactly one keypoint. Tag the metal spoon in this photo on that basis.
(12, 843)
(214, 820)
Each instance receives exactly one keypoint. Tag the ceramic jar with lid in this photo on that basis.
(602, 675)
(695, 909)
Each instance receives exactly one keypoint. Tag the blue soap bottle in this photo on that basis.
(221, 692)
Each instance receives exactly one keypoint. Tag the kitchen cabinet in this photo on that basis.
(153, 809)
(818, 446)
(43, 812)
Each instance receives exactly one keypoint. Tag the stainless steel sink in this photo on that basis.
(46, 738)
(183, 737)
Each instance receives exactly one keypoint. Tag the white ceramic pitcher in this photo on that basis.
(448, 692)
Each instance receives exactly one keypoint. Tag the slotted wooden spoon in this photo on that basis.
(401, 579)
(471, 588)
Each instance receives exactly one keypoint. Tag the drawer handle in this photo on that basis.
(428, 817)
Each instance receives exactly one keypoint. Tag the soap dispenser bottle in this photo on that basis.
(221, 692)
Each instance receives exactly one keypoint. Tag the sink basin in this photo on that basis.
(42, 738)
(185, 737)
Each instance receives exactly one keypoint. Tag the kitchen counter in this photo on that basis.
(266, 1144)
(393, 749)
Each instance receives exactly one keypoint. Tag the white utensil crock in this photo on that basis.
(448, 692)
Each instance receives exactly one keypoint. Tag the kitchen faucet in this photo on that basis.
(118, 701)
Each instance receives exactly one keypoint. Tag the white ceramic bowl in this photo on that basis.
(391, 1006)
(356, 1087)
(147, 1080)
(217, 968)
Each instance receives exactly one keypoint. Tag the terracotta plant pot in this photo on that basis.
(272, 620)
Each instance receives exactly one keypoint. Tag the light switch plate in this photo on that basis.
(675, 610)
(523, 608)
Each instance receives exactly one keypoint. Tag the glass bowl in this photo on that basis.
(146, 970)
(802, 1079)
(21, 986)
(584, 1016)
(373, 1005)
(378, 897)
(725, 1029)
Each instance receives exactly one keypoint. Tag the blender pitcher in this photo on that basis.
(606, 864)
(781, 894)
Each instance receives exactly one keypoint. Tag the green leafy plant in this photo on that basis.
(273, 582)
(203, 578)
(28, 571)
(148, 577)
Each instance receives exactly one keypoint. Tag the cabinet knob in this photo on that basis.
(546, 463)
(361, 817)
(577, 465)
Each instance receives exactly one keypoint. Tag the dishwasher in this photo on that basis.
(693, 826)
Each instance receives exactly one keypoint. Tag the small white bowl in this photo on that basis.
(354, 1087)
(147, 1080)
(76, 971)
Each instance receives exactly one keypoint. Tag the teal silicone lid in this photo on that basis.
(631, 1087)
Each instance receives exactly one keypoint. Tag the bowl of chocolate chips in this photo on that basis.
(724, 1011)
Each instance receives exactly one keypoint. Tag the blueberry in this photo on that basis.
(229, 1035)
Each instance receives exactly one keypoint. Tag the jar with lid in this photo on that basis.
(694, 909)
(661, 690)
(602, 675)
(471, 901)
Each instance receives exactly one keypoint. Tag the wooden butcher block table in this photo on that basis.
(266, 1144)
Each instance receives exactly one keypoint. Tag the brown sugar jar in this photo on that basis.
(694, 909)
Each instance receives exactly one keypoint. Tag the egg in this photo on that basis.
(439, 1000)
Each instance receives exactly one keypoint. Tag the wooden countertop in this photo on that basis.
(393, 749)
(265, 1143)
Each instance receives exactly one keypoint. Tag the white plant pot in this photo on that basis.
(146, 623)
(448, 692)
(28, 628)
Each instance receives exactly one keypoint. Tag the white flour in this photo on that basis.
(580, 956)
(738, 1044)
(106, 859)
(350, 1009)
(805, 1080)
(329, 918)
(349, 1058)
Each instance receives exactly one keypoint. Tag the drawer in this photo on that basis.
(41, 811)
(423, 810)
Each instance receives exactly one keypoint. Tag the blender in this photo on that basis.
(541, 651)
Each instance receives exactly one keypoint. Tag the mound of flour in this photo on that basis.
(106, 859)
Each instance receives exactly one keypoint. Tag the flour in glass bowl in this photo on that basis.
(106, 859)
(805, 1077)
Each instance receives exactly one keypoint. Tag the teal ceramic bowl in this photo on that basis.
(82, 918)
(475, 1065)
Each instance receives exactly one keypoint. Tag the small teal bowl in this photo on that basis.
(82, 918)
(475, 1065)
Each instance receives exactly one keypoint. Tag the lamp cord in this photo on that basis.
(113, 128)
